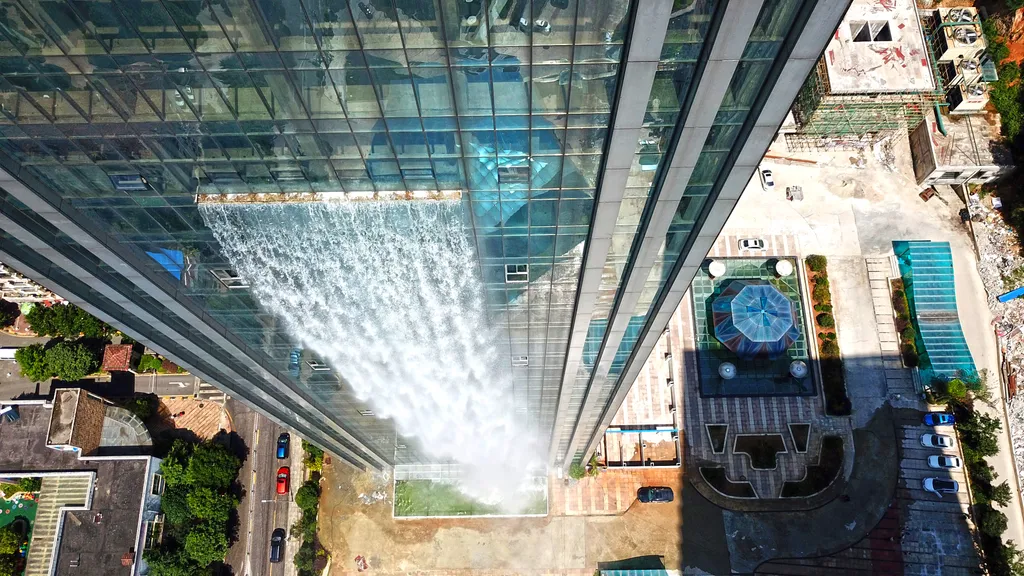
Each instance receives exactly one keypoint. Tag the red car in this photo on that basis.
(282, 480)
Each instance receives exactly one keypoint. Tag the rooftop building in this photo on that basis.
(963, 149)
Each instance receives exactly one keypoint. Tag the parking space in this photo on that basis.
(936, 536)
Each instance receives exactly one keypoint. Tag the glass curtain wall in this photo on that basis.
(129, 108)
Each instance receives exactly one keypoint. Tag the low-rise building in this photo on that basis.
(16, 288)
(958, 150)
(98, 509)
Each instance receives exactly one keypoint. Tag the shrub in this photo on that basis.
(577, 471)
(307, 497)
(9, 312)
(899, 303)
(991, 522)
(824, 336)
(823, 308)
(829, 348)
(825, 320)
(908, 334)
(956, 389)
(817, 263)
(71, 361)
(10, 540)
(32, 362)
(149, 363)
(305, 557)
(30, 484)
(910, 357)
(821, 280)
(821, 294)
(142, 406)
(314, 457)
(213, 466)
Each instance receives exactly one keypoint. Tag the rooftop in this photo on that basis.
(94, 540)
(117, 358)
(879, 47)
(968, 142)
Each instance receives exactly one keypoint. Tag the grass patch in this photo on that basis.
(822, 474)
(427, 498)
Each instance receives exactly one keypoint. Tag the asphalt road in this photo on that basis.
(262, 510)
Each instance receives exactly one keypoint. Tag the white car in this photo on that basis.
(936, 441)
(767, 181)
(945, 462)
(751, 244)
(940, 486)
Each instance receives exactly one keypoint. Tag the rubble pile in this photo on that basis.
(999, 255)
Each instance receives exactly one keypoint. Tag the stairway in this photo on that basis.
(57, 492)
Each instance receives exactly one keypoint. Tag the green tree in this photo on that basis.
(206, 544)
(142, 406)
(1000, 494)
(9, 312)
(176, 462)
(307, 497)
(175, 505)
(65, 320)
(10, 540)
(149, 363)
(314, 458)
(305, 557)
(208, 504)
(956, 389)
(992, 522)
(71, 361)
(32, 362)
(577, 471)
(816, 262)
(212, 465)
(30, 484)
(979, 434)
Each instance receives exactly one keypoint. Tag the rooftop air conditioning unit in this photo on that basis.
(966, 35)
(970, 66)
(977, 90)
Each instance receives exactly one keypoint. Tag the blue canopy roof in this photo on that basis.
(752, 318)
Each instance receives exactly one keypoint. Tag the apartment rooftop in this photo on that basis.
(969, 142)
(879, 48)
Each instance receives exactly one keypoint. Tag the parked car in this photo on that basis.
(282, 445)
(654, 494)
(282, 480)
(277, 545)
(767, 180)
(940, 486)
(937, 441)
(945, 462)
(751, 244)
(939, 419)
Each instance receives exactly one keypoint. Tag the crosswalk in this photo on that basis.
(57, 492)
(209, 393)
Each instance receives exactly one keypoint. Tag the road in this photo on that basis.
(262, 510)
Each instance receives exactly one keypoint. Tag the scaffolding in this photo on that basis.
(821, 113)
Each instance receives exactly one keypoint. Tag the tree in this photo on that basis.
(992, 522)
(1000, 494)
(175, 505)
(71, 361)
(206, 544)
(305, 557)
(314, 458)
(307, 497)
(32, 362)
(9, 312)
(9, 565)
(148, 363)
(208, 504)
(10, 540)
(65, 320)
(213, 466)
(164, 563)
(142, 406)
(30, 484)
(980, 436)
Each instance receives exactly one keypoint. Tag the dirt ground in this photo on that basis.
(552, 545)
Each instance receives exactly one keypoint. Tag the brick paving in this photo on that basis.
(610, 493)
(747, 415)
(898, 380)
(205, 419)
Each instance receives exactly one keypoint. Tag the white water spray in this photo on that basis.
(389, 295)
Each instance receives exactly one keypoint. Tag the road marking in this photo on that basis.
(252, 493)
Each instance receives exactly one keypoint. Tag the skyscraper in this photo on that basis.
(595, 148)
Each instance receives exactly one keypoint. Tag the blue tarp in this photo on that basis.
(172, 260)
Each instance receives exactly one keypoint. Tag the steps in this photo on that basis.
(57, 492)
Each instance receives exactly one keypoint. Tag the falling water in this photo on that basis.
(388, 294)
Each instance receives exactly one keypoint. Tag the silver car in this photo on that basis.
(940, 486)
(937, 441)
(767, 180)
(945, 462)
(751, 244)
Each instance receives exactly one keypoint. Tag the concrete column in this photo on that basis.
(815, 35)
(639, 66)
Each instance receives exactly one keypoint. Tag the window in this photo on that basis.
(519, 361)
(365, 412)
(517, 273)
(229, 278)
(513, 174)
(154, 532)
(871, 31)
(950, 175)
(157, 487)
(318, 366)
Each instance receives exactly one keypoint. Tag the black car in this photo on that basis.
(654, 494)
(277, 545)
(282, 446)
